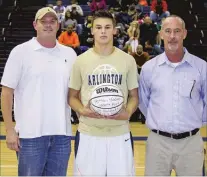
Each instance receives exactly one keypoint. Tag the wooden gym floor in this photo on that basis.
(8, 160)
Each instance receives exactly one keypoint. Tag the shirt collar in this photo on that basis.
(186, 58)
(37, 46)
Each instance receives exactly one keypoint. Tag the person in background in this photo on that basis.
(159, 10)
(76, 14)
(74, 5)
(132, 12)
(70, 38)
(120, 38)
(141, 4)
(97, 5)
(60, 10)
(148, 34)
(140, 56)
(68, 21)
(87, 39)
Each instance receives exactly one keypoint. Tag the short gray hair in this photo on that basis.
(174, 16)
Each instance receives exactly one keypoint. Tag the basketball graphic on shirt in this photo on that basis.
(106, 100)
(105, 69)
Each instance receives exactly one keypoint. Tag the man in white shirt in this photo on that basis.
(37, 74)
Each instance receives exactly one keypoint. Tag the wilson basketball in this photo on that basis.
(107, 100)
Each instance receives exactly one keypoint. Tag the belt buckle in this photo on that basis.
(190, 133)
(174, 134)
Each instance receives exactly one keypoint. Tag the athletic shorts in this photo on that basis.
(104, 156)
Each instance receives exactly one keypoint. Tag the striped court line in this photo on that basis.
(135, 138)
(15, 166)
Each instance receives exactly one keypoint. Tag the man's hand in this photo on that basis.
(87, 112)
(122, 115)
(12, 140)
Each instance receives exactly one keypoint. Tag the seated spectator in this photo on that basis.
(134, 27)
(116, 5)
(123, 18)
(133, 35)
(120, 38)
(97, 5)
(76, 13)
(140, 56)
(67, 20)
(148, 33)
(70, 38)
(87, 37)
(126, 3)
(132, 12)
(60, 10)
(159, 10)
(141, 4)
(74, 5)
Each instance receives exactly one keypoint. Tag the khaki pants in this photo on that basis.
(163, 154)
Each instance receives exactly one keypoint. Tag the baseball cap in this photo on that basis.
(43, 11)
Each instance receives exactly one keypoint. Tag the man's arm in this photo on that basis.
(80, 11)
(6, 106)
(12, 138)
(132, 103)
(144, 93)
(204, 95)
(75, 103)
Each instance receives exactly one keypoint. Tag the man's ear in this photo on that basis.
(161, 34)
(34, 24)
(91, 30)
(185, 34)
(115, 31)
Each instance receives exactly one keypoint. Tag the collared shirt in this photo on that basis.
(173, 98)
(40, 78)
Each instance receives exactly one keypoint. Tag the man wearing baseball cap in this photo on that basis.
(37, 76)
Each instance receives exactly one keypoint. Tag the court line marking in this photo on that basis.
(15, 166)
(135, 138)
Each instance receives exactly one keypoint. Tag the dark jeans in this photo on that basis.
(44, 156)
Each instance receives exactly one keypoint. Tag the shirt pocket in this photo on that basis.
(186, 87)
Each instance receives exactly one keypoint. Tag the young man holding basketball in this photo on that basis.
(103, 144)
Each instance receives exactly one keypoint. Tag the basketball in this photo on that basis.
(107, 100)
